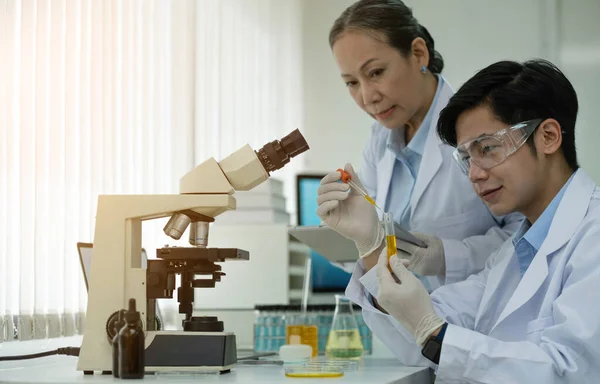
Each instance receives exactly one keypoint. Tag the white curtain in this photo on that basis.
(248, 78)
(122, 96)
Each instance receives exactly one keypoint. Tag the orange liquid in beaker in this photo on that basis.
(303, 334)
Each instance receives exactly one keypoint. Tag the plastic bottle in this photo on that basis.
(131, 345)
(259, 325)
(115, 342)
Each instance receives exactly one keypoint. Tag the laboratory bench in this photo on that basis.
(62, 369)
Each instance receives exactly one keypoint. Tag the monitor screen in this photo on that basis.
(85, 259)
(325, 276)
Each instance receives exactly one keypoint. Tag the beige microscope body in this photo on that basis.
(116, 271)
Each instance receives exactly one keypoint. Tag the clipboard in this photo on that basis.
(337, 248)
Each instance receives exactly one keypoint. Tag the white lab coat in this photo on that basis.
(542, 328)
(443, 202)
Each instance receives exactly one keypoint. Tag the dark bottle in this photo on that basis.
(131, 345)
(115, 342)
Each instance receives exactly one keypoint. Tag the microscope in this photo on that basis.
(117, 274)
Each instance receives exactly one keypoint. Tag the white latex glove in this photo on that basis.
(428, 261)
(406, 300)
(348, 213)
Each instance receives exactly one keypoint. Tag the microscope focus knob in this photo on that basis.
(110, 326)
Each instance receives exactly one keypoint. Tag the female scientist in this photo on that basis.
(392, 71)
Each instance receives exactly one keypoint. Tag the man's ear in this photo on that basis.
(548, 137)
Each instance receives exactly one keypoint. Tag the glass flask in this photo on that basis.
(344, 338)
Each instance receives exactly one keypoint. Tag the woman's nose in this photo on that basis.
(370, 94)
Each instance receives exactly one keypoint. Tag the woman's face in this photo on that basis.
(384, 83)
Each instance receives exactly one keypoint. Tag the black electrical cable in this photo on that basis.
(69, 351)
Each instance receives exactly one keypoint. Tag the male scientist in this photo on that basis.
(532, 314)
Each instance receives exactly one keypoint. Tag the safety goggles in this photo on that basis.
(491, 150)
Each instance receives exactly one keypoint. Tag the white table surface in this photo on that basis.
(62, 369)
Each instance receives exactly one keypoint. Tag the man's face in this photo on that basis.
(509, 186)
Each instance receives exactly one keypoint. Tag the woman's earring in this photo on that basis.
(423, 69)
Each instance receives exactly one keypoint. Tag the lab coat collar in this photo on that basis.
(570, 213)
(395, 141)
(432, 155)
(430, 162)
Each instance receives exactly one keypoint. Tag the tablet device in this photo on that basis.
(326, 242)
(85, 259)
(337, 248)
(404, 235)
(85, 251)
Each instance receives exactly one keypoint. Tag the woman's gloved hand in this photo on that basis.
(347, 212)
(428, 261)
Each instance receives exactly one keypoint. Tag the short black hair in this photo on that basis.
(516, 92)
(391, 18)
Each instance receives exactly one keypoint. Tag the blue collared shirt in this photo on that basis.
(406, 166)
(529, 238)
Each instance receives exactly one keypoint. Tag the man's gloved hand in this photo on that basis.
(348, 213)
(428, 261)
(406, 299)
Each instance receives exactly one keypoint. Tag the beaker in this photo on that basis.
(344, 338)
(301, 330)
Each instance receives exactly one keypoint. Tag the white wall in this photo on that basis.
(335, 127)
(470, 34)
(579, 56)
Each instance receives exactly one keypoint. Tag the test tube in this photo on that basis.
(390, 235)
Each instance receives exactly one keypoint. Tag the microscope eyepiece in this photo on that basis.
(277, 153)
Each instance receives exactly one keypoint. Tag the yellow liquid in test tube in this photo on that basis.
(390, 241)
(390, 237)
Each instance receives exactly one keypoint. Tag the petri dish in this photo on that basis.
(342, 365)
(313, 372)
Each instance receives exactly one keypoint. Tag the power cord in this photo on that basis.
(69, 351)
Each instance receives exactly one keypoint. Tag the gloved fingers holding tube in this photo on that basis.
(346, 211)
(405, 298)
(428, 261)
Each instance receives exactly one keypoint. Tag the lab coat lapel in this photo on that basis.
(495, 276)
(432, 156)
(570, 213)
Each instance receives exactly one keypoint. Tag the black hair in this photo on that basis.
(517, 92)
(391, 18)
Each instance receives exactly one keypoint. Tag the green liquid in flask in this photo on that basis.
(344, 344)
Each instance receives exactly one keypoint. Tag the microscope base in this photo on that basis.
(180, 351)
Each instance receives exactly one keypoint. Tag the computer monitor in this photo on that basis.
(325, 276)
(85, 260)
